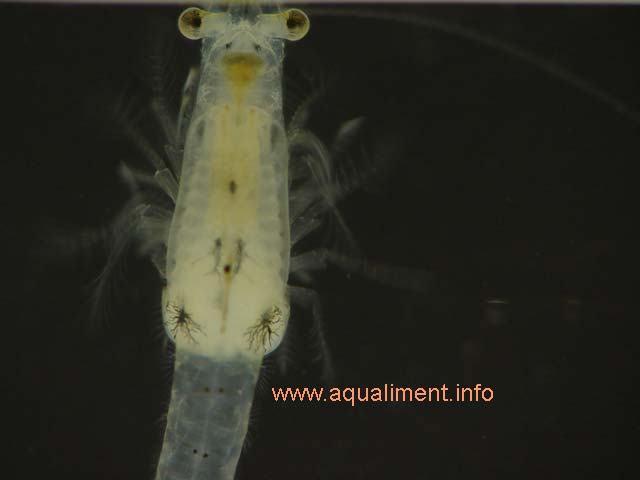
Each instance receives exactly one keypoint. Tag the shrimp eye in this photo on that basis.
(297, 23)
(190, 23)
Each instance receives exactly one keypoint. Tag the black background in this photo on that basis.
(503, 175)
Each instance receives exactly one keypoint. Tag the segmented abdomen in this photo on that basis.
(208, 418)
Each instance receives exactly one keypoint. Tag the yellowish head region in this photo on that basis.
(241, 70)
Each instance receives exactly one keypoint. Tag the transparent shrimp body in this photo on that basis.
(225, 303)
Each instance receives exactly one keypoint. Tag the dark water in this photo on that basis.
(502, 173)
